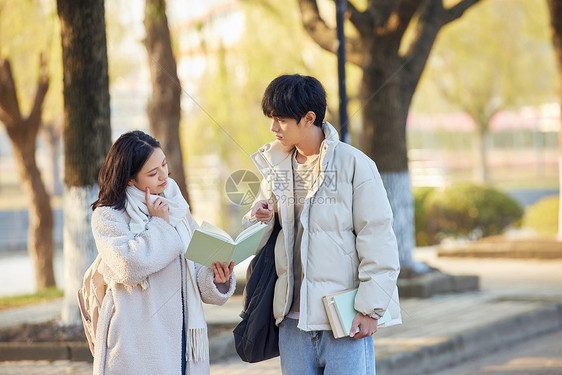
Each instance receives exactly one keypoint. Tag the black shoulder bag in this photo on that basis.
(256, 337)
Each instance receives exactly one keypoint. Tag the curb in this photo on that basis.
(496, 247)
(426, 359)
(436, 357)
(471, 344)
(51, 351)
(433, 283)
(221, 347)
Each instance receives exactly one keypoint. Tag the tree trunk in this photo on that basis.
(23, 133)
(79, 245)
(164, 109)
(384, 140)
(86, 133)
(397, 185)
(53, 134)
(481, 143)
(384, 121)
(389, 80)
(555, 8)
(40, 236)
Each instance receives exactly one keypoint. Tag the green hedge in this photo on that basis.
(465, 210)
(543, 216)
(423, 236)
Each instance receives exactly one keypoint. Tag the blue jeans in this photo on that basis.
(318, 352)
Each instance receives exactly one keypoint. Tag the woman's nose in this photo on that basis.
(274, 126)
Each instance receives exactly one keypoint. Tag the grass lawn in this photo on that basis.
(28, 299)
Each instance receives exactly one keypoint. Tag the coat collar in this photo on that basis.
(273, 157)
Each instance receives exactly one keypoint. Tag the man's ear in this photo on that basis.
(310, 117)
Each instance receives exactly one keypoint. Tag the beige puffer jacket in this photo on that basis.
(348, 239)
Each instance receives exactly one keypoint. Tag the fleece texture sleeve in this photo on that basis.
(128, 258)
(211, 293)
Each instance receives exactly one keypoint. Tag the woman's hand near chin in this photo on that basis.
(159, 208)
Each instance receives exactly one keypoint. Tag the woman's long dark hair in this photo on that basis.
(123, 162)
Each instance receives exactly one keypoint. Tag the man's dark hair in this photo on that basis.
(123, 162)
(292, 96)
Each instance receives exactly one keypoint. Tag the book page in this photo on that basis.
(248, 245)
(210, 228)
(337, 329)
(249, 231)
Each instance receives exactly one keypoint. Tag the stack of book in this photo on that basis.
(341, 312)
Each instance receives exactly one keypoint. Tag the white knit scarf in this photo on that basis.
(197, 345)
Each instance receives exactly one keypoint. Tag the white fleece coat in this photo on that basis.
(140, 330)
(348, 241)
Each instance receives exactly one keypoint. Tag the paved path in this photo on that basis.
(539, 356)
(31, 314)
(45, 368)
(270, 367)
(519, 298)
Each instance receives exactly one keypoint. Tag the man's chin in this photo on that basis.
(288, 147)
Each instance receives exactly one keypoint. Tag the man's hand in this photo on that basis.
(367, 326)
(222, 274)
(159, 208)
(263, 211)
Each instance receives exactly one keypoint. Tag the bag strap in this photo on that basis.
(276, 225)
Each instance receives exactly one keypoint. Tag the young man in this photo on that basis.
(337, 232)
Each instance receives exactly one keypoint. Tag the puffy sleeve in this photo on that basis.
(247, 220)
(376, 244)
(128, 258)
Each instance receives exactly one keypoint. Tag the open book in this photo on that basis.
(211, 244)
(340, 311)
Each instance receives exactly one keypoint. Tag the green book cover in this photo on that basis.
(345, 303)
(211, 244)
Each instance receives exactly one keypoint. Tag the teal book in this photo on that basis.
(210, 244)
(341, 312)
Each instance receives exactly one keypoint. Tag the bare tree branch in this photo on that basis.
(325, 36)
(433, 16)
(399, 19)
(380, 11)
(458, 10)
(316, 27)
(4, 118)
(34, 118)
(429, 23)
(361, 20)
(10, 109)
(555, 7)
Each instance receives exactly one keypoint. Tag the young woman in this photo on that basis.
(151, 320)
